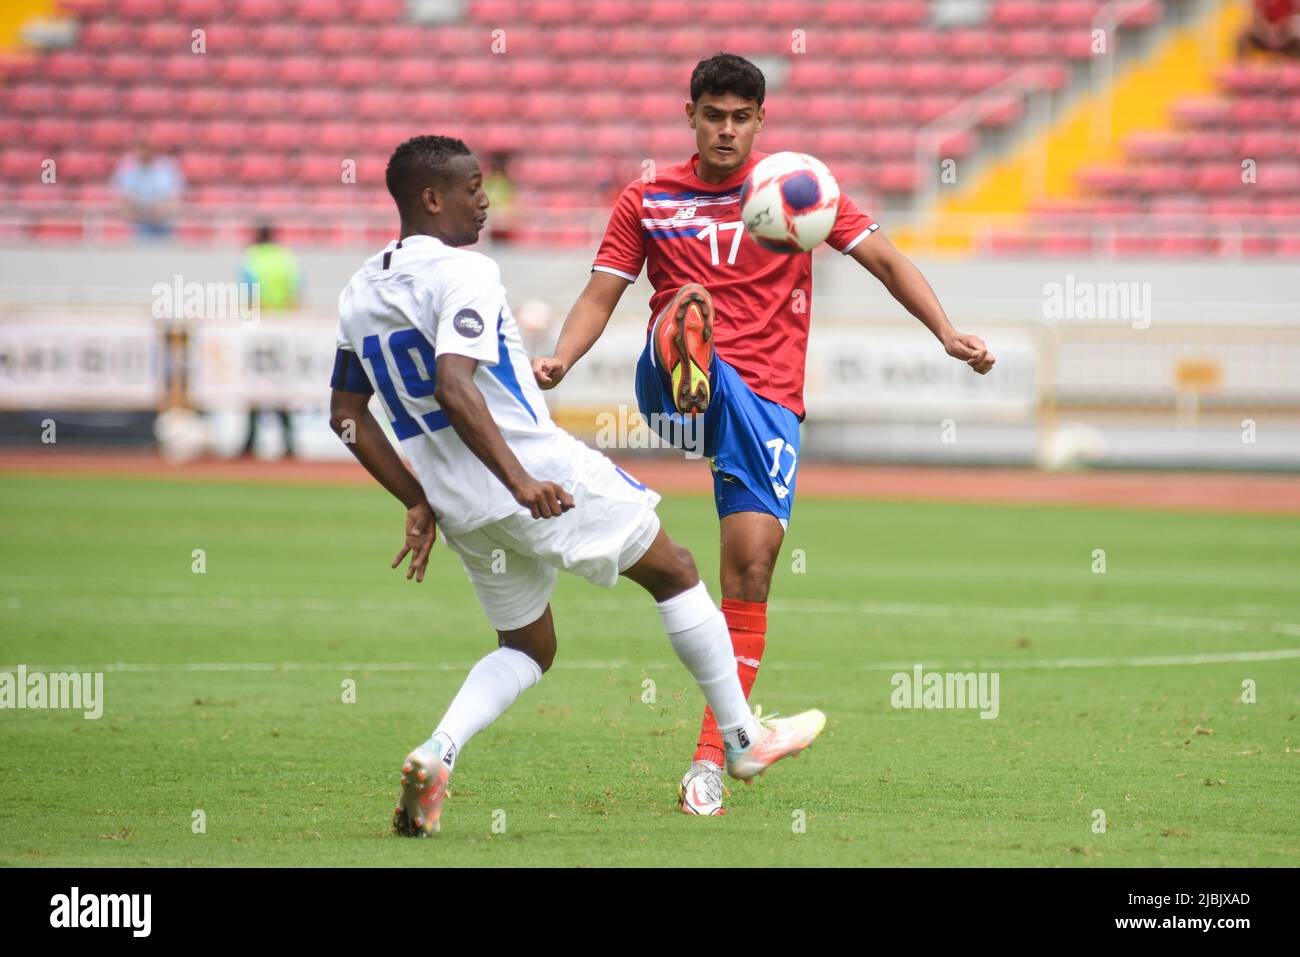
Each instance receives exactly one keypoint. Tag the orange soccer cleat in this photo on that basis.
(683, 336)
(424, 788)
(782, 738)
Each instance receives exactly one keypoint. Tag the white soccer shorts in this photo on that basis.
(513, 563)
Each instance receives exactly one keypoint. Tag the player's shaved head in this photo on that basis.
(421, 162)
(725, 73)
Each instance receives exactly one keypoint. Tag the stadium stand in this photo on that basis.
(292, 99)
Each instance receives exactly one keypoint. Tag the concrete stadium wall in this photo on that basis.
(1210, 311)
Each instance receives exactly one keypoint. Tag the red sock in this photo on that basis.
(747, 622)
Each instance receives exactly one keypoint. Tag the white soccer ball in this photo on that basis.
(182, 435)
(789, 202)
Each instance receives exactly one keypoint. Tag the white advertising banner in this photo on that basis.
(851, 372)
(277, 362)
(48, 362)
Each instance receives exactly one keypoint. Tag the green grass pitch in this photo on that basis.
(1119, 692)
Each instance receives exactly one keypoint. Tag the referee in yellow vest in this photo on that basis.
(275, 271)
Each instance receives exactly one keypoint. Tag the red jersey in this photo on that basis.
(686, 230)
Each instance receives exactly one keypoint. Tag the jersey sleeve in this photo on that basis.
(465, 313)
(852, 226)
(349, 373)
(622, 251)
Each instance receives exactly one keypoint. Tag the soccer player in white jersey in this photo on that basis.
(425, 324)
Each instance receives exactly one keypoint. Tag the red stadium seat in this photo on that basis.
(379, 10)
(168, 133)
(22, 163)
(33, 97)
(142, 9)
(314, 11)
(106, 35)
(318, 102)
(975, 43)
(203, 167)
(1074, 13)
(1066, 244)
(187, 69)
(927, 75)
(903, 12)
(261, 101)
(86, 8)
(243, 68)
(258, 11)
(357, 70)
(1031, 44)
(72, 65)
(203, 101)
(259, 168)
(301, 70)
(150, 101)
(411, 72)
(198, 11)
(110, 132)
(284, 38)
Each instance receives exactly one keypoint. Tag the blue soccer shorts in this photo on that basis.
(752, 442)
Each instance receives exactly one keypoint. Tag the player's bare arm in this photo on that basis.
(468, 414)
(351, 420)
(906, 284)
(582, 327)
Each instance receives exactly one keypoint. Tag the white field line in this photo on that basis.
(1230, 657)
(1126, 616)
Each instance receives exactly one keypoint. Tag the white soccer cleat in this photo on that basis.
(703, 789)
(782, 737)
(424, 788)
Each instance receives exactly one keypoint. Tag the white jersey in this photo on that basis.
(404, 309)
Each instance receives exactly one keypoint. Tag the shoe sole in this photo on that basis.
(410, 819)
(691, 390)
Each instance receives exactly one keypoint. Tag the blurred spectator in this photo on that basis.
(501, 194)
(1273, 29)
(149, 188)
(273, 270)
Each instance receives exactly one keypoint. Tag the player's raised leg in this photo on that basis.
(683, 344)
(491, 687)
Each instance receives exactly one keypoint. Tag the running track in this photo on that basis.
(1219, 491)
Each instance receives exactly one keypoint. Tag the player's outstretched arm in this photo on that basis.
(351, 421)
(468, 414)
(582, 327)
(906, 284)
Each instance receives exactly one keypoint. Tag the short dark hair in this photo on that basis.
(419, 161)
(728, 73)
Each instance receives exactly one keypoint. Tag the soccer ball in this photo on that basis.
(789, 202)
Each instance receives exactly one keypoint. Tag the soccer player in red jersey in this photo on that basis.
(727, 344)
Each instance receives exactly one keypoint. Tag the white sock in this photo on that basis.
(698, 633)
(491, 687)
